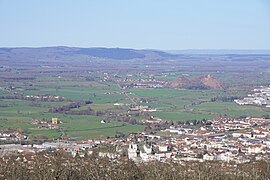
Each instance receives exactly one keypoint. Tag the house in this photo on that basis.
(103, 122)
(163, 147)
(255, 149)
(208, 157)
(224, 156)
(55, 121)
(259, 135)
(247, 134)
(107, 155)
(148, 150)
(201, 133)
(145, 157)
(133, 151)
(172, 130)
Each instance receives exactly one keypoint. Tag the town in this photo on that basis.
(237, 140)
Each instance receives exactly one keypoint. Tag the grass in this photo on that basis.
(231, 109)
(50, 133)
(169, 102)
(182, 116)
(20, 113)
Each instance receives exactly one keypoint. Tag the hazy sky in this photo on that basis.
(154, 24)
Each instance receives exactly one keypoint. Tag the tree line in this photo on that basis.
(58, 165)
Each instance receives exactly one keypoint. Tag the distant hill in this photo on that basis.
(220, 51)
(61, 52)
(202, 82)
(112, 53)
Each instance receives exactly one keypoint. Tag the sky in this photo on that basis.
(140, 24)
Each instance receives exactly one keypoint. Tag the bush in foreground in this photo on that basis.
(62, 166)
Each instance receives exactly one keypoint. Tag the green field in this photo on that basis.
(171, 105)
(19, 113)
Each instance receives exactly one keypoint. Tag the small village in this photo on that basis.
(135, 81)
(259, 97)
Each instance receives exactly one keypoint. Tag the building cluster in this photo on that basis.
(237, 140)
(46, 123)
(16, 135)
(44, 98)
(259, 97)
(139, 82)
(110, 148)
(12, 135)
(135, 80)
(142, 108)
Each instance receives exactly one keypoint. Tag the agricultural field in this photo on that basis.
(19, 113)
(169, 103)
(98, 84)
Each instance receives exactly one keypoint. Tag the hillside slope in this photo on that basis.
(63, 52)
(201, 82)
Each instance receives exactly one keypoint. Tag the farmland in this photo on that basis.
(140, 82)
(19, 113)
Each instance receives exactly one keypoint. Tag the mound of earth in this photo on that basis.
(210, 82)
(180, 82)
(202, 82)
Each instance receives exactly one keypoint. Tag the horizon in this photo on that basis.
(194, 49)
(173, 25)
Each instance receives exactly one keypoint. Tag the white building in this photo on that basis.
(132, 151)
